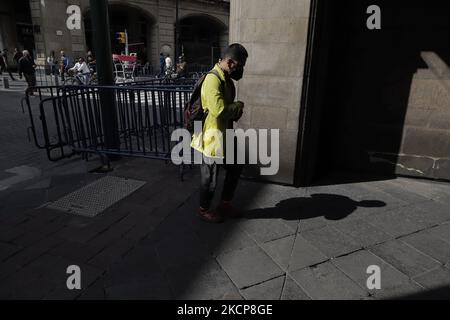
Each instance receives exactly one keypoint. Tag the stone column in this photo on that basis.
(271, 88)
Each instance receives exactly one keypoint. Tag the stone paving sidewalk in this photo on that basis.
(313, 243)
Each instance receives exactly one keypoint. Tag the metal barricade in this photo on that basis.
(66, 121)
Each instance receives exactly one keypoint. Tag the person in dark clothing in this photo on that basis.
(182, 67)
(27, 68)
(218, 95)
(17, 55)
(162, 65)
(4, 64)
(91, 62)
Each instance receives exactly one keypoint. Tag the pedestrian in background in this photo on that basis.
(17, 55)
(4, 66)
(162, 65)
(181, 67)
(63, 64)
(52, 62)
(91, 62)
(27, 68)
(169, 63)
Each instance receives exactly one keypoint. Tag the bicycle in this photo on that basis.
(79, 79)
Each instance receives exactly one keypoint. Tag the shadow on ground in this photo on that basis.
(331, 206)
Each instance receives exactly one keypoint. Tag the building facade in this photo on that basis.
(348, 97)
(41, 26)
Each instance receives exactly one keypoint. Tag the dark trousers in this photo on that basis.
(31, 81)
(209, 174)
(3, 68)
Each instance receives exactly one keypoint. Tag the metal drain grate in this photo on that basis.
(96, 197)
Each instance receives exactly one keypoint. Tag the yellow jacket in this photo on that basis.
(221, 109)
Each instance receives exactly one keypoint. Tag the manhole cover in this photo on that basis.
(96, 197)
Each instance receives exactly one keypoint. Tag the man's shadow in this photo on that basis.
(331, 206)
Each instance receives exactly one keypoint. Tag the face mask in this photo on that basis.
(237, 74)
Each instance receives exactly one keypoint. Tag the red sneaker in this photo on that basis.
(225, 209)
(211, 217)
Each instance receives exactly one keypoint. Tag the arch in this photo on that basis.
(202, 38)
(150, 16)
(138, 22)
(208, 16)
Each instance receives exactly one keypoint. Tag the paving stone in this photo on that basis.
(202, 280)
(389, 200)
(42, 184)
(15, 218)
(349, 190)
(399, 193)
(249, 266)
(442, 232)
(331, 241)
(393, 282)
(75, 251)
(312, 224)
(178, 248)
(8, 233)
(264, 230)
(112, 254)
(414, 186)
(405, 258)
(28, 283)
(362, 232)
(7, 250)
(143, 228)
(222, 238)
(139, 264)
(292, 291)
(400, 222)
(27, 255)
(94, 292)
(154, 288)
(437, 283)
(270, 290)
(43, 231)
(297, 256)
(430, 245)
(110, 235)
(436, 211)
(15, 200)
(326, 282)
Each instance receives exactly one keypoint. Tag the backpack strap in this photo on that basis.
(216, 73)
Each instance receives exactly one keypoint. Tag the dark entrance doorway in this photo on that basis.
(201, 39)
(139, 27)
(369, 113)
(16, 27)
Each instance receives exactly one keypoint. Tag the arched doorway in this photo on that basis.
(202, 39)
(139, 27)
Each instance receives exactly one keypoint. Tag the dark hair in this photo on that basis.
(236, 52)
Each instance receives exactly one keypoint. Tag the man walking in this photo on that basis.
(168, 63)
(217, 96)
(162, 65)
(4, 64)
(27, 68)
(17, 55)
(63, 64)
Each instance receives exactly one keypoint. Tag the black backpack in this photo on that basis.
(193, 110)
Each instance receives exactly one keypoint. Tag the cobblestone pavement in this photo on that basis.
(313, 243)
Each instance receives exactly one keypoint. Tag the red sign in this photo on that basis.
(123, 58)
